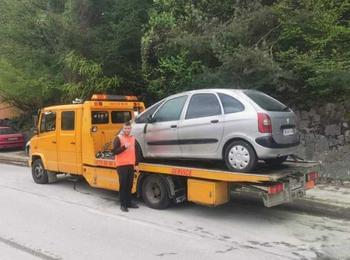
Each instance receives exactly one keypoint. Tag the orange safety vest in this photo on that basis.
(127, 157)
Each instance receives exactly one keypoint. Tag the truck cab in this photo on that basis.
(70, 136)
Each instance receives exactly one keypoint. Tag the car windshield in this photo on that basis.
(266, 102)
(6, 131)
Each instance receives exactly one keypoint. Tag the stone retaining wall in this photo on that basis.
(325, 136)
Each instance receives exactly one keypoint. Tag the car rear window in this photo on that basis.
(266, 102)
(6, 131)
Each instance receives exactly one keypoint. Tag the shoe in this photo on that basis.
(124, 209)
(133, 205)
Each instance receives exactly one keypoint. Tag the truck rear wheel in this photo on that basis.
(155, 193)
(39, 173)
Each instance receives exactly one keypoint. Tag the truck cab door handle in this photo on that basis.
(214, 121)
(173, 126)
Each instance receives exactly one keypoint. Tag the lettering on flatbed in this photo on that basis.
(183, 172)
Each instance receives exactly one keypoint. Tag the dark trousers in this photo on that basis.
(126, 177)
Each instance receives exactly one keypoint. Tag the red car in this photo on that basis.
(10, 139)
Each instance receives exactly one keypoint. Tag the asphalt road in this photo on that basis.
(70, 220)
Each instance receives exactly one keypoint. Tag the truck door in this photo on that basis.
(47, 143)
(67, 149)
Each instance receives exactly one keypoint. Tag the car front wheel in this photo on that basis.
(240, 156)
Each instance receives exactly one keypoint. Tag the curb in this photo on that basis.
(19, 161)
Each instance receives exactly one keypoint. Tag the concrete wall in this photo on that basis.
(325, 136)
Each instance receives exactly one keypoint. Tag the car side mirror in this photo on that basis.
(151, 119)
(35, 131)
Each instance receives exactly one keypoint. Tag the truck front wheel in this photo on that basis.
(39, 173)
(155, 193)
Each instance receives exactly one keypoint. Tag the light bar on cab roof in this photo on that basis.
(113, 98)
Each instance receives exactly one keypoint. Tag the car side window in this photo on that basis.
(48, 122)
(142, 119)
(203, 105)
(171, 110)
(67, 120)
(230, 104)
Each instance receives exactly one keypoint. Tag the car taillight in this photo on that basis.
(312, 176)
(264, 123)
(277, 188)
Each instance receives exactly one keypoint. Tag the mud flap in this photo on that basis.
(52, 177)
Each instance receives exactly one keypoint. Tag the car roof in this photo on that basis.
(221, 90)
(4, 127)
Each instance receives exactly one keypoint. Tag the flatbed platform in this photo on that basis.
(215, 171)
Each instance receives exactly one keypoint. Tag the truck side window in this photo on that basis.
(99, 117)
(67, 122)
(120, 117)
(48, 122)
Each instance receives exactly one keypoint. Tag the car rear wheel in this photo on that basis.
(39, 173)
(155, 193)
(240, 156)
(276, 161)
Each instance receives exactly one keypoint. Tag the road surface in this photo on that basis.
(70, 220)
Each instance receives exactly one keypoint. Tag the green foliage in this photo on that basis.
(86, 77)
(52, 51)
(58, 50)
(173, 75)
(281, 47)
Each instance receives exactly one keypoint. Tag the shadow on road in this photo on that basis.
(243, 206)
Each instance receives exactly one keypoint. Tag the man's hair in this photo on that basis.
(127, 123)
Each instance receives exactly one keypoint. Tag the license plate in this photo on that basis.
(12, 138)
(288, 131)
(295, 184)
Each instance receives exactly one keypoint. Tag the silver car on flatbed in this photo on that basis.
(239, 127)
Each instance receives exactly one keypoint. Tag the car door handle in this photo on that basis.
(173, 126)
(72, 142)
(214, 121)
(53, 142)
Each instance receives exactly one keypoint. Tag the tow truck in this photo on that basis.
(75, 139)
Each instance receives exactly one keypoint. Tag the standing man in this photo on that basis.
(124, 149)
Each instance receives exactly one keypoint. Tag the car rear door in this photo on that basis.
(160, 137)
(200, 132)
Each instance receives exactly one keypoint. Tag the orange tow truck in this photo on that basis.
(74, 139)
